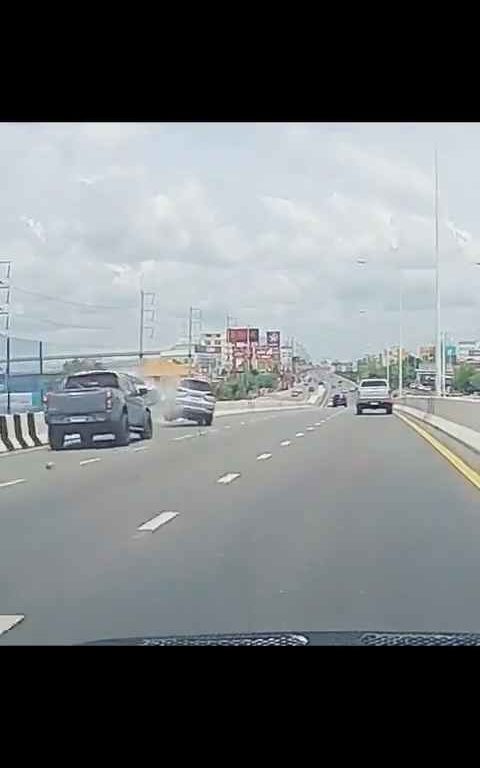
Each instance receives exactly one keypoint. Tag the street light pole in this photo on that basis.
(438, 339)
(444, 362)
(388, 366)
(400, 341)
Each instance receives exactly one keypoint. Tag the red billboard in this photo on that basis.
(242, 335)
(236, 335)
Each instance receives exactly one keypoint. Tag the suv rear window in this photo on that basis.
(199, 386)
(374, 383)
(100, 379)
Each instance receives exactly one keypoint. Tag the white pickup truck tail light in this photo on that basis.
(108, 400)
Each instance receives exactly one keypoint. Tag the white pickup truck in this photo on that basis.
(374, 394)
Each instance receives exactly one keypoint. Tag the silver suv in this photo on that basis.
(194, 400)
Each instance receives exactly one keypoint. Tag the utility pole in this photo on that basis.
(190, 327)
(438, 339)
(388, 366)
(142, 309)
(147, 313)
(191, 319)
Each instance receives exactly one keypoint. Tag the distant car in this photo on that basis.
(339, 399)
(374, 394)
(311, 388)
(296, 392)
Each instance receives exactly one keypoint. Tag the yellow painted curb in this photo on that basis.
(465, 470)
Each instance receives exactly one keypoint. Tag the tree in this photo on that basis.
(474, 382)
(463, 374)
(76, 365)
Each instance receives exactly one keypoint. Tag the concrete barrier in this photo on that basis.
(41, 429)
(9, 433)
(461, 410)
(465, 435)
(22, 430)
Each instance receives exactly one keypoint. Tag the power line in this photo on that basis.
(72, 303)
(61, 325)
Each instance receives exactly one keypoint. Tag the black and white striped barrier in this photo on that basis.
(22, 430)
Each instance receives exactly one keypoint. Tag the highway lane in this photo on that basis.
(356, 523)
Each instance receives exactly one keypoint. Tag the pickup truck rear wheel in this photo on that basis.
(122, 433)
(359, 411)
(55, 437)
(388, 410)
(208, 420)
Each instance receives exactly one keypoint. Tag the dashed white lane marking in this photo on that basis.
(300, 434)
(227, 426)
(242, 423)
(264, 456)
(284, 443)
(318, 423)
(157, 521)
(310, 429)
(8, 621)
(140, 448)
(228, 478)
(12, 482)
(89, 461)
(183, 437)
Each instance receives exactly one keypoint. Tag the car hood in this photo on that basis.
(301, 638)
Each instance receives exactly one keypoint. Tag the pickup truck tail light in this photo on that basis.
(108, 400)
(45, 400)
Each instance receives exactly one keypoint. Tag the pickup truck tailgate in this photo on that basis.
(373, 393)
(76, 402)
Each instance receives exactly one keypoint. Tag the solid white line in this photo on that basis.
(12, 482)
(264, 456)
(300, 434)
(183, 437)
(228, 478)
(88, 461)
(285, 443)
(9, 621)
(157, 521)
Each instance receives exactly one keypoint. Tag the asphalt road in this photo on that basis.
(355, 524)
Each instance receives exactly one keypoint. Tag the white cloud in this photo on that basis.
(184, 208)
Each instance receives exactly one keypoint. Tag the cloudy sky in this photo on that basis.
(261, 221)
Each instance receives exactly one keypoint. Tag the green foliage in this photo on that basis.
(245, 385)
(463, 376)
(76, 365)
(474, 382)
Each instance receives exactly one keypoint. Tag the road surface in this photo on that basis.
(323, 520)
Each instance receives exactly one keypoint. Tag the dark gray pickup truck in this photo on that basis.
(97, 403)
